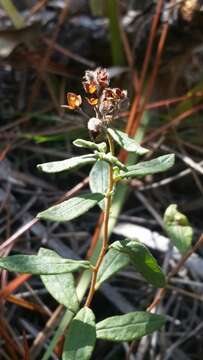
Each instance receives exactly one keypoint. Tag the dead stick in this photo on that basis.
(160, 294)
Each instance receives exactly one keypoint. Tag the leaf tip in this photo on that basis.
(173, 158)
(39, 166)
(40, 215)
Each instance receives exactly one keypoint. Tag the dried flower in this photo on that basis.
(74, 101)
(95, 81)
(111, 100)
(102, 77)
(120, 94)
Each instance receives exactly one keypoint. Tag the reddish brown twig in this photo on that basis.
(36, 8)
(26, 304)
(153, 76)
(160, 294)
(96, 235)
(130, 59)
(137, 99)
(13, 285)
(173, 123)
(32, 222)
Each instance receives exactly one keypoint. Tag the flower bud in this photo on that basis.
(74, 101)
(90, 87)
(93, 101)
(94, 126)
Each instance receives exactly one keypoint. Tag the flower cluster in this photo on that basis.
(104, 100)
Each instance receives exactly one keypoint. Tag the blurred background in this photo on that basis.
(154, 49)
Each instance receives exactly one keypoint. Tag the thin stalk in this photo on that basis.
(107, 210)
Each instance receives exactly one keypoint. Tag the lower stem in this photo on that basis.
(107, 210)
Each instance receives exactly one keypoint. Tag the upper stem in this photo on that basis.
(107, 210)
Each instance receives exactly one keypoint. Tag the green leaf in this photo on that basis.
(109, 158)
(68, 164)
(143, 261)
(62, 289)
(99, 176)
(42, 264)
(60, 286)
(160, 164)
(72, 208)
(113, 262)
(129, 327)
(90, 145)
(81, 336)
(178, 228)
(126, 142)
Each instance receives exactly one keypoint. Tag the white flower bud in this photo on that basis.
(94, 126)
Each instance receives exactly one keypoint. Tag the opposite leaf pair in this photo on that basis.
(116, 328)
(77, 206)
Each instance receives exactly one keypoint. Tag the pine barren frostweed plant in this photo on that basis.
(57, 273)
(105, 101)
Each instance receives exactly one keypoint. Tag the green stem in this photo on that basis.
(106, 227)
(13, 13)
